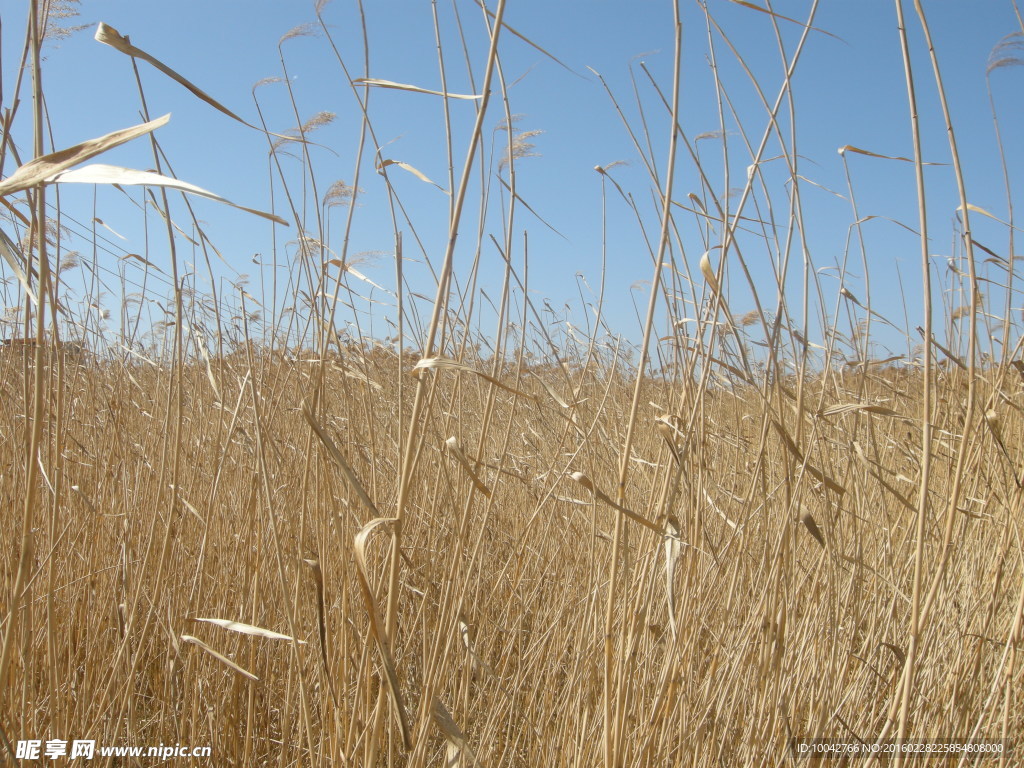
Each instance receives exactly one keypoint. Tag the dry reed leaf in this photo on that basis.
(670, 432)
(526, 205)
(944, 350)
(901, 657)
(443, 363)
(572, 417)
(808, 520)
(99, 173)
(570, 500)
(464, 634)
(673, 548)
(799, 23)
(452, 733)
(846, 293)
(813, 471)
(819, 186)
(109, 229)
(109, 36)
(85, 499)
(872, 363)
(911, 230)
(453, 448)
(571, 407)
(335, 454)
(850, 148)
(717, 510)
(709, 273)
(12, 255)
(875, 470)
(201, 346)
(414, 171)
(321, 624)
(587, 483)
(358, 376)
(188, 507)
(994, 422)
(134, 353)
(881, 410)
(526, 40)
(740, 375)
(714, 220)
(983, 212)
(452, 756)
(219, 657)
(377, 626)
(357, 274)
(859, 151)
(414, 89)
(137, 257)
(249, 629)
(43, 168)
(554, 395)
(181, 233)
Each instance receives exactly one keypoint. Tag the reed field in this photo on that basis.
(451, 531)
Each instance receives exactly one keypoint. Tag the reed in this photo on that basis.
(314, 519)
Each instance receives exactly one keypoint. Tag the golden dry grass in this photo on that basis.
(501, 596)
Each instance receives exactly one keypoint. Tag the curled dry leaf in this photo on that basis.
(184, 502)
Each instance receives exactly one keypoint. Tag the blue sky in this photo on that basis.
(848, 90)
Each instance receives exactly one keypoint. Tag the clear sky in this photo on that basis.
(848, 89)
